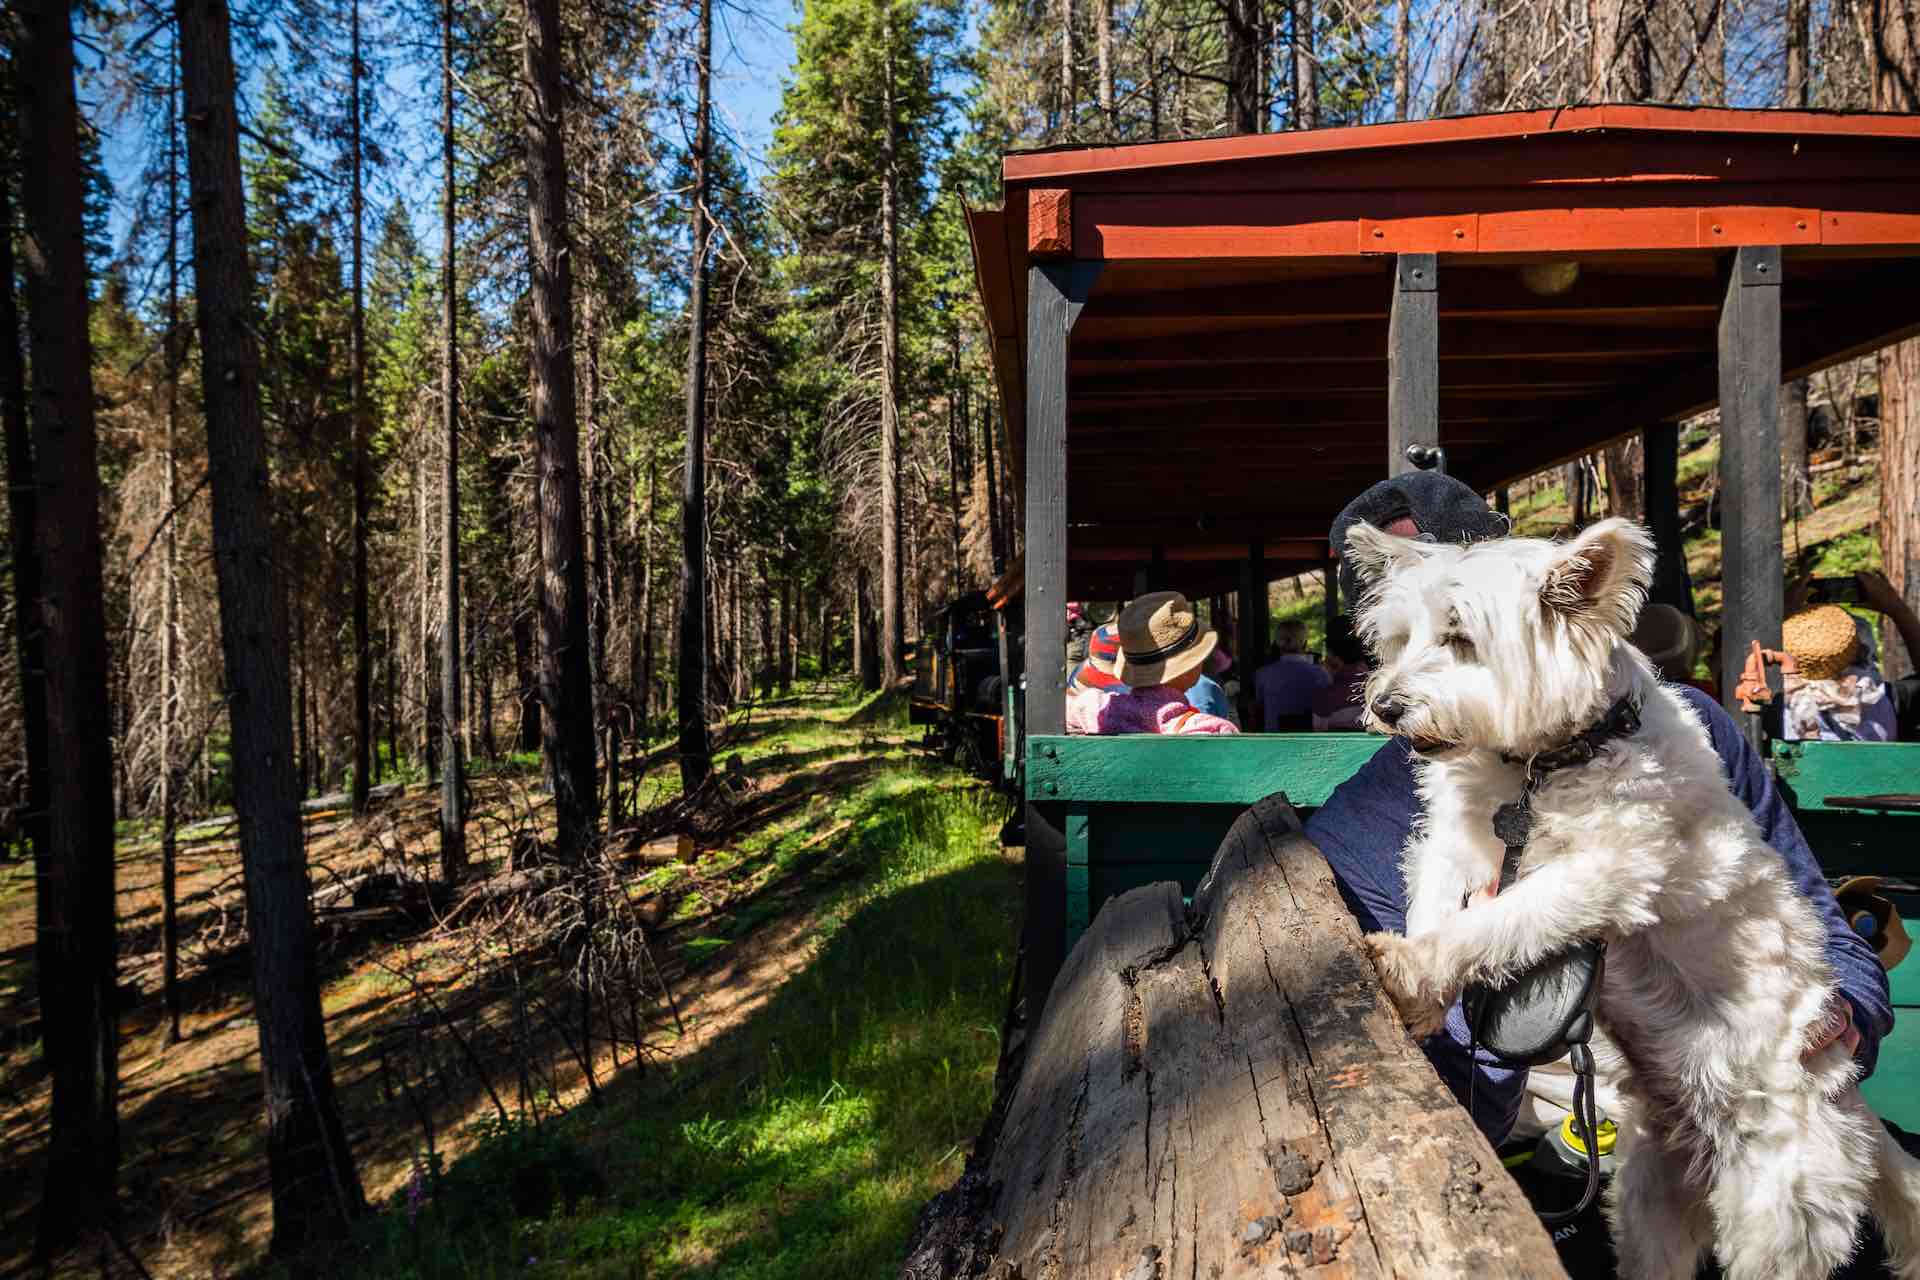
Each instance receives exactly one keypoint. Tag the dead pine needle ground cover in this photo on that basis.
(801, 1140)
(837, 941)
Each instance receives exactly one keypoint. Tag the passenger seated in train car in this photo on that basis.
(1831, 687)
(1365, 825)
(1283, 689)
(1671, 641)
(1877, 593)
(1209, 695)
(1337, 708)
(1163, 652)
(1093, 681)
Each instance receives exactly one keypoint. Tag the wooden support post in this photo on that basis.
(1751, 600)
(1056, 292)
(1503, 501)
(1671, 583)
(1413, 359)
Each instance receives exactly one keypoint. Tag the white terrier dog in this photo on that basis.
(1489, 656)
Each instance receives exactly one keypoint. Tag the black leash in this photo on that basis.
(1547, 1013)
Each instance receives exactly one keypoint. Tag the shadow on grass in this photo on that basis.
(802, 1142)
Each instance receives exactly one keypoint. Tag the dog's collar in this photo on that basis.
(1622, 720)
(1513, 822)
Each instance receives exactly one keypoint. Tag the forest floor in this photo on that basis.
(838, 958)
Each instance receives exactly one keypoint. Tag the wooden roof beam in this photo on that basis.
(1366, 340)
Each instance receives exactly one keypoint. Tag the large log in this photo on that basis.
(1225, 1091)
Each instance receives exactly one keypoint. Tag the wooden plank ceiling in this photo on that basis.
(1228, 374)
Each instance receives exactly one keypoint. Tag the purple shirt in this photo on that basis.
(1364, 826)
(1284, 688)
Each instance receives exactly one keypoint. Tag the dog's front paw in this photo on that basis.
(1406, 974)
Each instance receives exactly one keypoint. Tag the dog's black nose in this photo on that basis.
(1388, 709)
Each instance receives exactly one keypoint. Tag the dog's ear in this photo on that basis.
(1602, 576)
(1375, 553)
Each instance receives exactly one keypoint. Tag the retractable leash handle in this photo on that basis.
(1546, 1013)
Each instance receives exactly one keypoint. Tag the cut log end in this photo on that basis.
(1224, 1090)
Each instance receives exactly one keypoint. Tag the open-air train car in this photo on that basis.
(1205, 348)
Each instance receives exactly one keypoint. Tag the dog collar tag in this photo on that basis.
(1512, 823)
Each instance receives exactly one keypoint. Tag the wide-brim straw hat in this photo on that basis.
(1161, 640)
(1823, 640)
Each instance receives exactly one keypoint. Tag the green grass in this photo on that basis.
(803, 1143)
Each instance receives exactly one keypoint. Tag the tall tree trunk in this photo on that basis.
(996, 534)
(566, 688)
(170, 598)
(643, 641)
(1626, 479)
(1104, 52)
(453, 778)
(315, 1186)
(695, 750)
(76, 951)
(528, 736)
(1710, 50)
(787, 620)
(953, 477)
(1892, 34)
(1796, 486)
(1402, 60)
(1620, 65)
(429, 687)
(1799, 53)
(1069, 83)
(892, 585)
(1306, 71)
(362, 651)
(1244, 60)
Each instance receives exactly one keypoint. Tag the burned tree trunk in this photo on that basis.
(315, 1186)
(1226, 1091)
(566, 688)
(75, 949)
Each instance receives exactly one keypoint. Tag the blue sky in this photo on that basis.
(755, 41)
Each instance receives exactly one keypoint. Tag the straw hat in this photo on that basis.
(1669, 638)
(1160, 640)
(1822, 640)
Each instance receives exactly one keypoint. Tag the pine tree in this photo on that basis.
(314, 1183)
(76, 950)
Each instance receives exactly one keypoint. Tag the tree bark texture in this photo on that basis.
(1402, 59)
(1621, 57)
(1103, 51)
(1892, 29)
(696, 752)
(1225, 1091)
(453, 779)
(1799, 53)
(566, 687)
(1306, 73)
(1796, 486)
(315, 1186)
(1245, 56)
(75, 953)
(170, 599)
(892, 568)
(362, 650)
(1626, 479)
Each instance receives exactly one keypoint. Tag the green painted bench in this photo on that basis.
(1141, 809)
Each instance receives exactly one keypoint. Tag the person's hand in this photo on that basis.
(1835, 1027)
(1876, 591)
